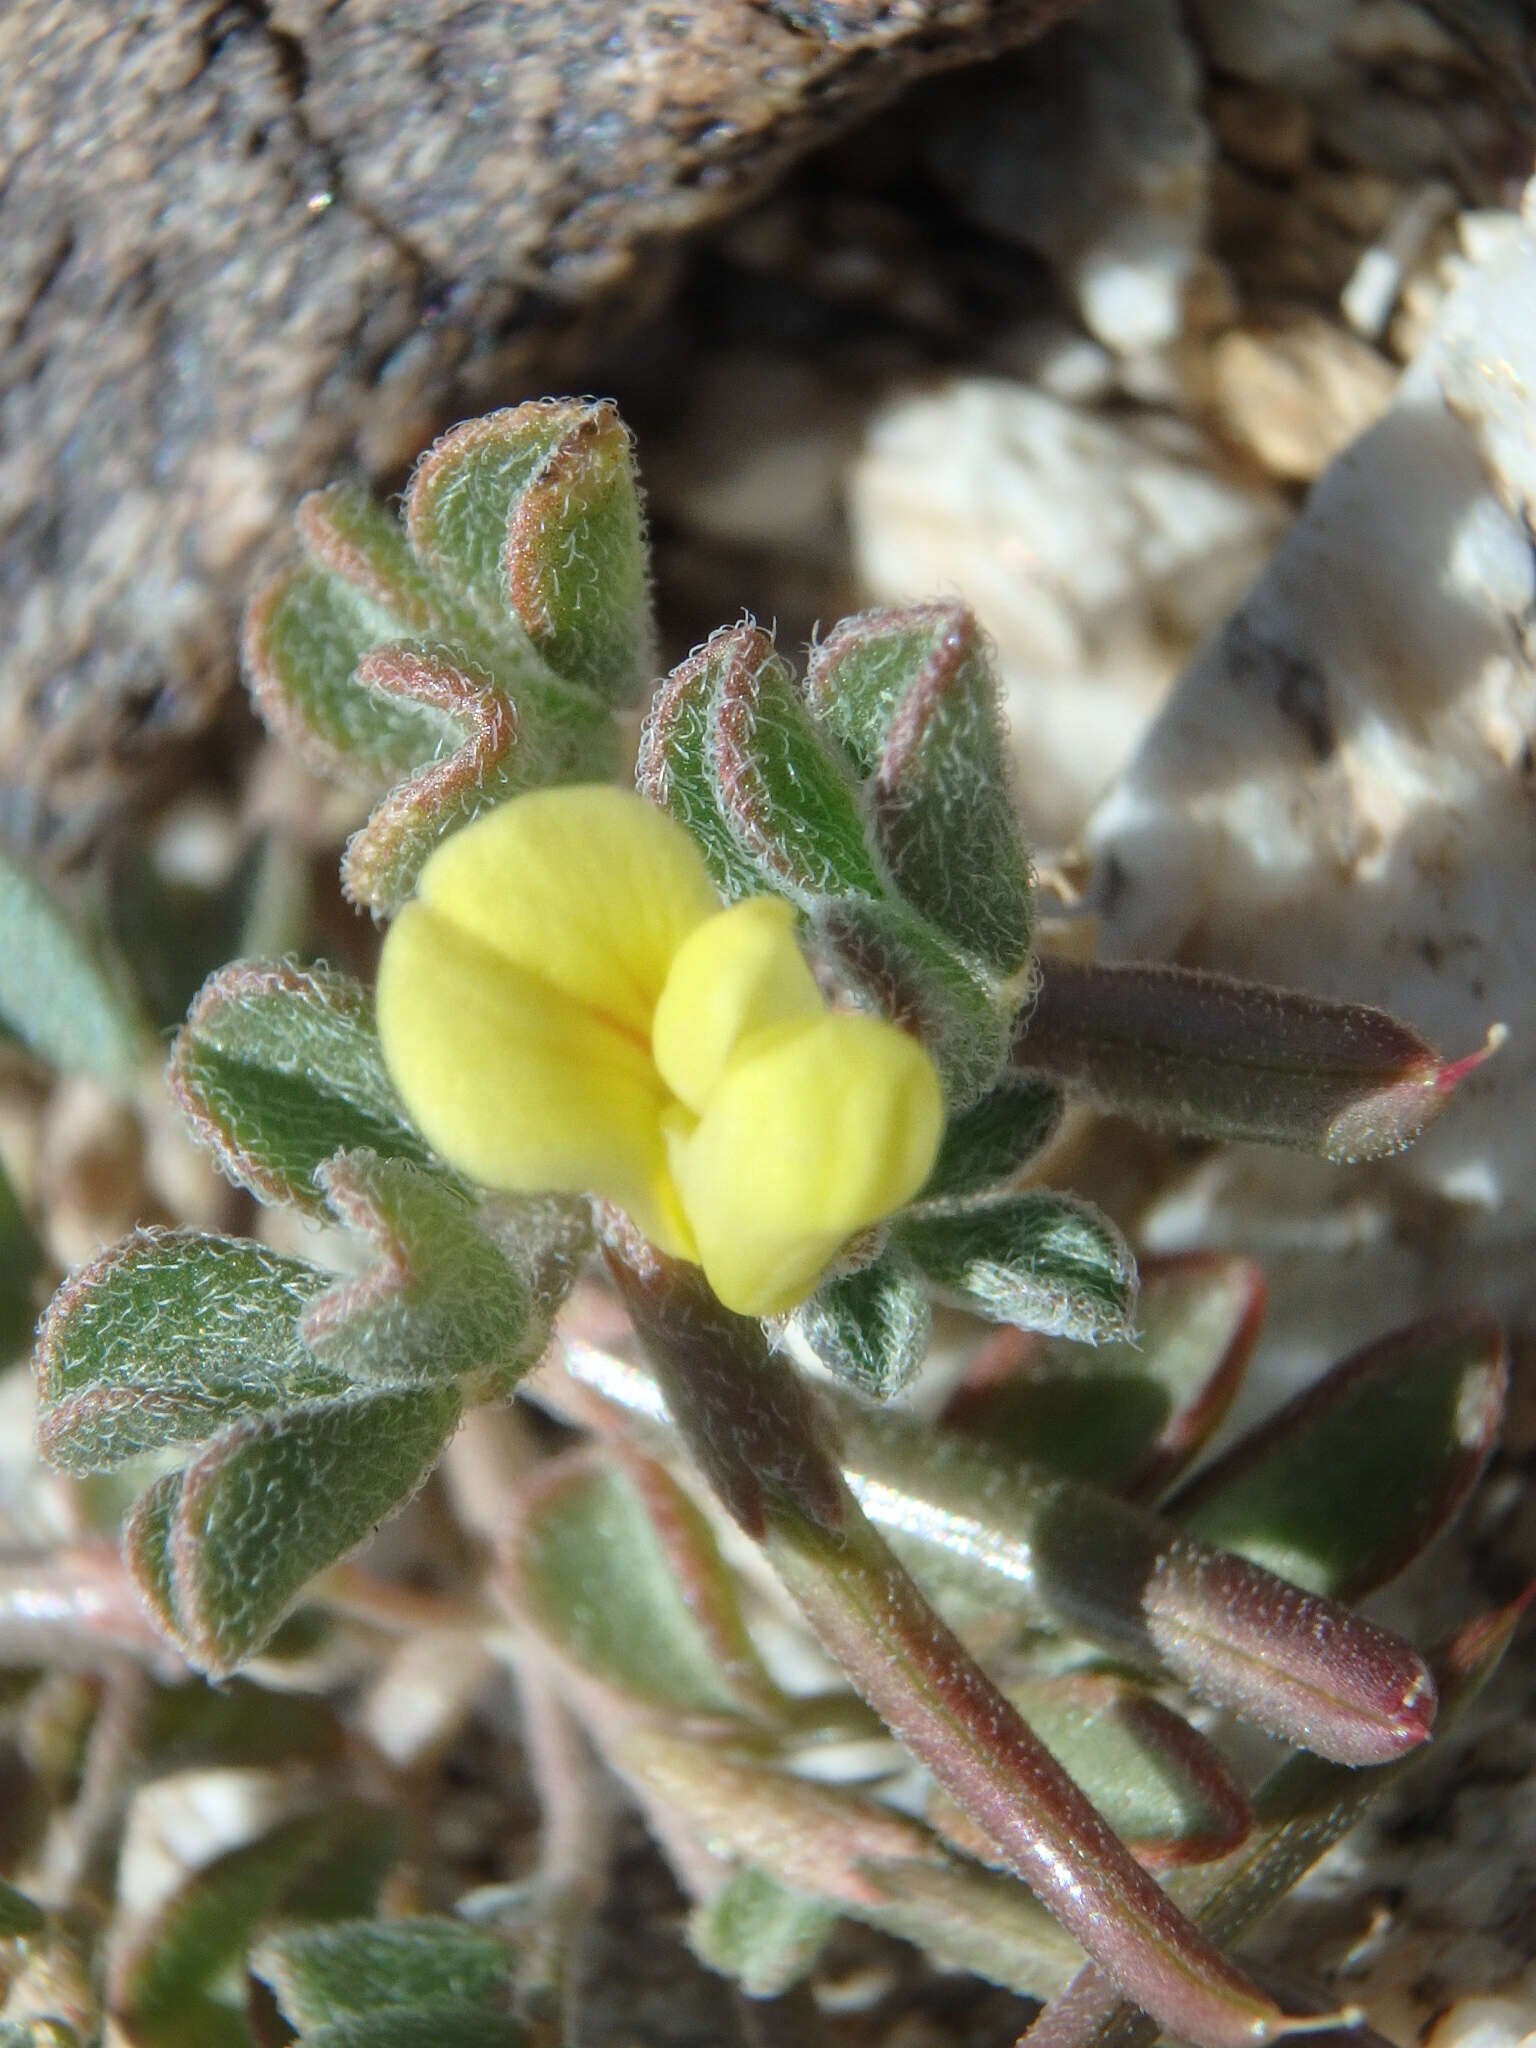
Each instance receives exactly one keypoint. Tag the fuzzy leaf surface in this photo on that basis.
(1127, 1415)
(157, 1978)
(760, 1933)
(305, 634)
(871, 1327)
(350, 1969)
(576, 563)
(443, 1301)
(941, 812)
(279, 1066)
(988, 1145)
(1347, 1484)
(674, 768)
(277, 1499)
(594, 1560)
(1038, 1261)
(166, 1337)
(786, 797)
(1210, 1057)
(61, 994)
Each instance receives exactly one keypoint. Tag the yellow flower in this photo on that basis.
(564, 1005)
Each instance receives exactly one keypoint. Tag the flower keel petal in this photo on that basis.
(827, 1129)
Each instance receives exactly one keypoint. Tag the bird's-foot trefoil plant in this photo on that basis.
(677, 1109)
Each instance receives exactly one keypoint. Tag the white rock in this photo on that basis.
(1340, 794)
(1100, 162)
(1094, 552)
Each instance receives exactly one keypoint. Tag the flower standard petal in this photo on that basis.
(816, 1130)
(517, 1083)
(588, 887)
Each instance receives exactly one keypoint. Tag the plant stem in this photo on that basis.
(752, 1425)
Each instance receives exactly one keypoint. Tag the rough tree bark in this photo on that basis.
(250, 245)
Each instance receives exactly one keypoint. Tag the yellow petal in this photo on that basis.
(738, 973)
(516, 1083)
(590, 888)
(828, 1128)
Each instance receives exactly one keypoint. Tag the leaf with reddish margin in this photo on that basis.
(534, 512)
(1300, 1812)
(490, 763)
(941, 813)
(443, 1301)
(1127, 1415)
(274, 1500)
(1211, 1057)
(614, 1567)
(1343, 1488)
(276, 1068)
(674, 769)
(787, 798)
(305, 633)
(1161, 1786)
(1125, 1579)
(167, 1336)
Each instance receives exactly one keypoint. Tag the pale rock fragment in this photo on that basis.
(1340, 796)
(1294, 393)
(1094, 551)
(1098, 158)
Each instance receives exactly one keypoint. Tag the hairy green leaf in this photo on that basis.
(940, 809)
(351, 1969)
(279, 1066)
(1039, 1261)
(277, 1499)
(788, 800)
(617, 1569)
(1126, 1414)
(443, 1302)
(167, 1336)
(988, 1145)
(1215, 1058)
(305, 634)
(869, 1327)
(675, 764)
(159, 1974)
(61, 992)
(576, 565)
(1347, 1484)
(760, 1933)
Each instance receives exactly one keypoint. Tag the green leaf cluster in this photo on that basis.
(473, 650)
(314, 1406)
(874, 798)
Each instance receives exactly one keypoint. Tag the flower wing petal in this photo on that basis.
(588, 887)
(517, 1083)
(825, 1130)
(738, 973)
